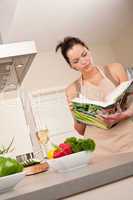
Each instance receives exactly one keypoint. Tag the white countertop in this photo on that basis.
(53, 185)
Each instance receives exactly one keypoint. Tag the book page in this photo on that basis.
(118, 91)
(84, 100)
(109, 99)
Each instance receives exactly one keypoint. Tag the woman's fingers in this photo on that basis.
(116, 117)
(111, 116)
(119, 108)
(70, 106)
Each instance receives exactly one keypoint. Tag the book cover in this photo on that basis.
(88, 111)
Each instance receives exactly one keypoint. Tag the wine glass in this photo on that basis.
(43, 138)
(42, 132)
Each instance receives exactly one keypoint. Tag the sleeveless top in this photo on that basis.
(97, 92)
(118, 139)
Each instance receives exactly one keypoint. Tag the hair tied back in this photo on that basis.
(58, 46)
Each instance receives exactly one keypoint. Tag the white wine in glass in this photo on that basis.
(43, 138)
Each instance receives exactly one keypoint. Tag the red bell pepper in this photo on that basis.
(58, 154)
(64, 149)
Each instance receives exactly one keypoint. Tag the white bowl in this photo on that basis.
(70, 162)
(9, 182)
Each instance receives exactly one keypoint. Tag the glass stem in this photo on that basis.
(44, 149)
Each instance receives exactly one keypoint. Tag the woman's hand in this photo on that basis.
(118, 116)
(114, 118)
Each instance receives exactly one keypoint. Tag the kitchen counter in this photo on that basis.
(122, 190)
(52, 185)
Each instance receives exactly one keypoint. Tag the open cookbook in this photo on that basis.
(88, 111)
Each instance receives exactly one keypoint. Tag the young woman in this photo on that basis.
(95, 84)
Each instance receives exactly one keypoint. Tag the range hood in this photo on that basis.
(15, 60)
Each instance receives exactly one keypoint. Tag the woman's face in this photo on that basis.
(79, 57)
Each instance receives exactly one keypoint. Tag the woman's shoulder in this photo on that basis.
(117, 71)
(72, 89)
(112, 66)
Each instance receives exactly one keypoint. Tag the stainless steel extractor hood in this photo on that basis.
(15, 60)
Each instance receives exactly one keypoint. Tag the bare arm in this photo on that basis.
(70, 94)
(119, 74)
(80, 127)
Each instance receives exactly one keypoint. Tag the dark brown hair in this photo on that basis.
(67, 44)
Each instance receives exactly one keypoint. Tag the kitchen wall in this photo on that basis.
(123, 47)
(50, 70)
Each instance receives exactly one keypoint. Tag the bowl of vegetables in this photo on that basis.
(71, 154)
(11, 171)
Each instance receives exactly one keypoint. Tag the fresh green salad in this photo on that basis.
(79, 144)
